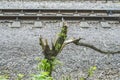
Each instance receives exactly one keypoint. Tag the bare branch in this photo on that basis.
(73, 40)
(97, 49)
(41, 42)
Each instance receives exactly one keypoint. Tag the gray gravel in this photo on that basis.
(58, 4)
(20, 46)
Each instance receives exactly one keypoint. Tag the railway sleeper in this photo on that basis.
(105, 24)
(84, 24)
(37, 24)
(16, 24)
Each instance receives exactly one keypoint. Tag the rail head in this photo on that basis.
(29, 17)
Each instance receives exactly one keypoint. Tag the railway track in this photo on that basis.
(59, 14)
(71, 0)
(102, 0)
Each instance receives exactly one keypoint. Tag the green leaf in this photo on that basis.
(82, 78)
(20, 75)
(91, 70)
(3, 77)
(42, 76)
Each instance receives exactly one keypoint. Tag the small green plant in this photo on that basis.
(57, 46)
(44, 65)
(3, 77)
(42, 76)
(20, 77)
(90, 73)
(82, 78)
(44, 69)
(66, 77)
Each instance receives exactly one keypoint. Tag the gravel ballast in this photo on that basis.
(58, 4)
(19, 47)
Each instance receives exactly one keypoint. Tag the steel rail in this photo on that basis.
(62, 10)
(52, 14)
(100, 18)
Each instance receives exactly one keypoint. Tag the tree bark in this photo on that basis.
(97, 49)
